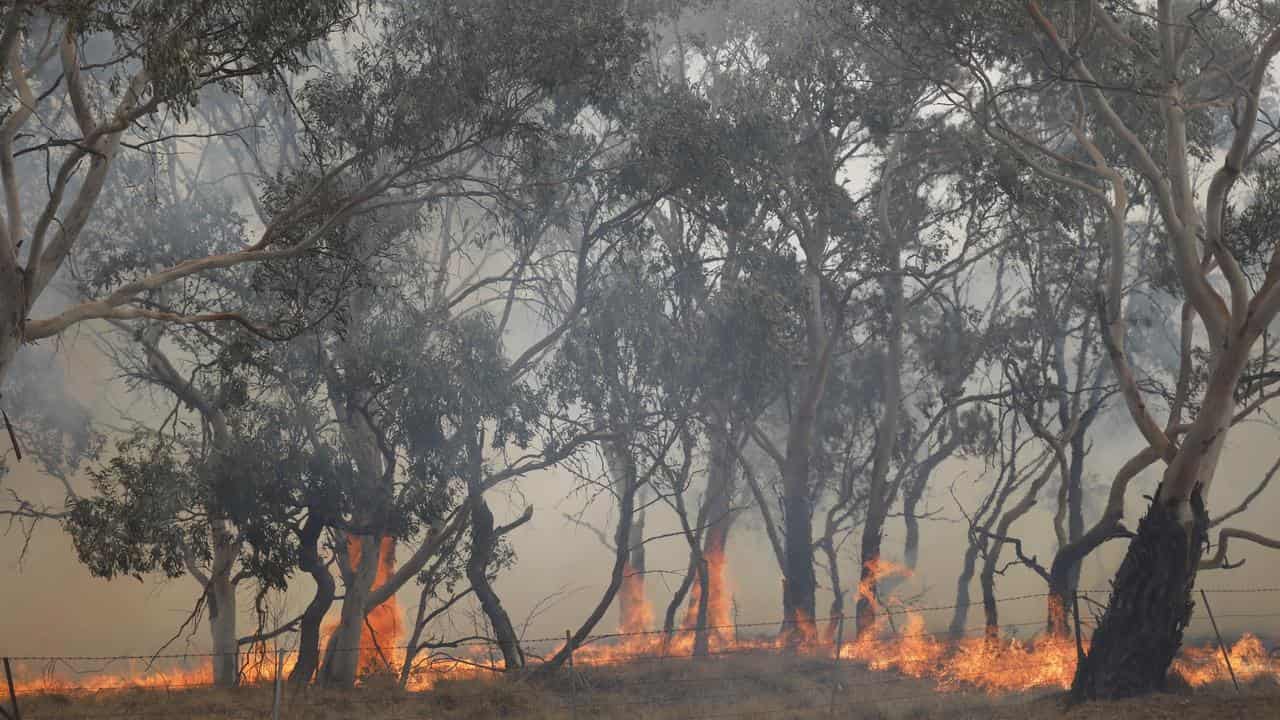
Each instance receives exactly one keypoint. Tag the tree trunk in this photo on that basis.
(701, 639)
(678, 597)
(872, 536)
(1150, 605)
(837, 587)
(635, 614)
(342, 655)
(799, 584)
(960, 614)
(1064, 571)
(222, 626)
(1075, 501)
(987, 582)
(482, 546)
(13, 311)
(221, 595)
(711, 606)
(309, 561)
(882, 490)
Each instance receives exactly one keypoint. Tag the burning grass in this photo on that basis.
(749, 684)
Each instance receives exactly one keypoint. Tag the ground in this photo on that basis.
(735, 687)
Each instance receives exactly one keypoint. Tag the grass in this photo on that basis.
(767, 687)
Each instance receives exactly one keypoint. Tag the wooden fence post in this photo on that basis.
(573, 681)
(279, 694)
(16, 714)
(835, 663)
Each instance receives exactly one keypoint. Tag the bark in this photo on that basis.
(310, 562)
(960, 614)
(12, 313)
(1064, 570)
(869, 568)
(1141, 630)
(483, 541)
(837, 587)
(678, 597)
(800, 583)
(220, 593)
(701, 639)
(222, 623)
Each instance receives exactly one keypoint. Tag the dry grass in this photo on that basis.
(747, 686)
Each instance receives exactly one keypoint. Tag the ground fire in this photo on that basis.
(901, 643)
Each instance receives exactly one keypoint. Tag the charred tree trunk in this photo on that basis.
(872, 537)
(960, 614)
(987, 583)
(1150, 605)
(837, 587)
(800, 584)
(1075, 501)
(1064, 571)
(483, 542)
(712, 609)
(910, 503)
(701, 638)
(1107, 527)
(310, 562)
(678, 597)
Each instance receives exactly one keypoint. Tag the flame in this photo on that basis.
(1249, 660)
(382, 631)
(633, 604)
(991, 663)
(719, 599)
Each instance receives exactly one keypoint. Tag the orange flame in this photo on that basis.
(992, 664)
(633, 604)
(382, 631)
(719, 599)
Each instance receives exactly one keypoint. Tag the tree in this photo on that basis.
(1123, 106)
(63, 62)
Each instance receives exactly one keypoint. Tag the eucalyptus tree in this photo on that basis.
(87, 83)
(622, 372)
(812, 109)
(1128, 104)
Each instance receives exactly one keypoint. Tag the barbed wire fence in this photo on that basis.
(607, 675)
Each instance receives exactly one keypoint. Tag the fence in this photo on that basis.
(650, 674)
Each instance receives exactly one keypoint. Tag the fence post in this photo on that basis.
(835, 663)
(13, 695)
(276, 702)
(573, 681)
(1225, 655)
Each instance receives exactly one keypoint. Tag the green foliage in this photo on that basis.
(185, 45)
(145, 514)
